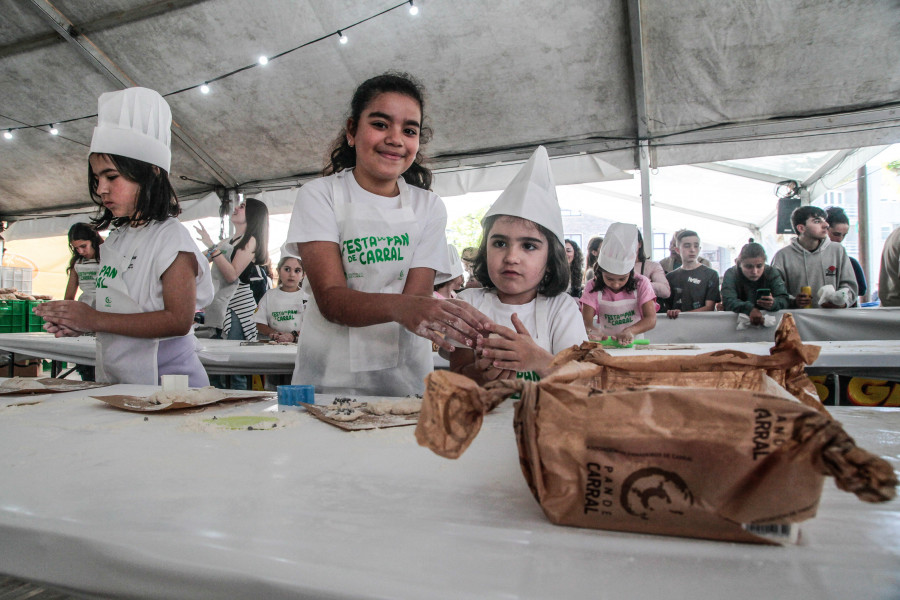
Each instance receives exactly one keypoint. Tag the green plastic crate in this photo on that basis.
(13, 316)
(6, 316)
(35, 323)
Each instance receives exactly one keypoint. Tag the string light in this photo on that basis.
(263, 60)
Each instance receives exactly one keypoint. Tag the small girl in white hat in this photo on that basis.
(151, 277)
(617, 303)
(522, 264)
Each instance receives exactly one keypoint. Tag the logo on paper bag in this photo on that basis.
(653, 490)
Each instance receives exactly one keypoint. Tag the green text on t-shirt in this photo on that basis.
(620, 319)
(375, 249)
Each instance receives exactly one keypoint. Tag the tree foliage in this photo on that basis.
(466, 230)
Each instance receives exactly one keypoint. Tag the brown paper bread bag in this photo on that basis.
(711, 461)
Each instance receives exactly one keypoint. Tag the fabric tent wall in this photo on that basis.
(703, 81)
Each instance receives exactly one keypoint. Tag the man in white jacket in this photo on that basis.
(814, 261)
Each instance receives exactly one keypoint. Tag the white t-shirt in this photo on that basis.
(280, 310)
(155, 248)
(313, 219)
(87, 279)
(565, 326)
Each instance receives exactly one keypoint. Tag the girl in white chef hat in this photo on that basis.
(617, 303)
(151, 276)
(522, 263)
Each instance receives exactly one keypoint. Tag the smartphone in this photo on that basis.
(763, 292)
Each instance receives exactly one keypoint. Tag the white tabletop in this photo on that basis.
(101, 501)
(219, 357)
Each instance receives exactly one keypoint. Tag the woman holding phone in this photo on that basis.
(752, 286)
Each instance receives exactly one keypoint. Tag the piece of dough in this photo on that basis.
(202, 395)
(22, 383)
(344, 414)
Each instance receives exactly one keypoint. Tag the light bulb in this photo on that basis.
(204, 89)
(413, 9)
(8, 134)
(343, 38)
(263, 60)
(53, 130)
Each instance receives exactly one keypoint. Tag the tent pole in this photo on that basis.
(862, 203)
(641, 121)
(644, 158)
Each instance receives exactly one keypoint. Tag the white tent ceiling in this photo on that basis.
(694, 82)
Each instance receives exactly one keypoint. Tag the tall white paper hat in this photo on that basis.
(136, 123)
(532, 195)
(456, 267)
(619, 249)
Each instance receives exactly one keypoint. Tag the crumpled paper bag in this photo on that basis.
(741, 457)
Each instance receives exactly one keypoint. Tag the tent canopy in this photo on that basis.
(697, 82)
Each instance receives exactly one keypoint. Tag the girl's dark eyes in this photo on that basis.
(412, 132)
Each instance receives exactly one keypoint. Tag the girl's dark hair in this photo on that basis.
(83, 231)
(835, 215)
(156, 199)
(556, 275)
(640, 255)
(257, 215)
(344, 157)
(593, 245)
(600, 285)
(751, 250)
(576, 268)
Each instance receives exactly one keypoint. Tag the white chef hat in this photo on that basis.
(532, 195)
(456, 267)
(136, 123)
(619, 249)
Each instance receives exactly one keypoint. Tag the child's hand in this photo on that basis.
(514, 350)
(673, 314)
(67, 317)
(491, 373)
(765, 302)
(803, 300)
(204, 235)
(624, 337)
(596, 335)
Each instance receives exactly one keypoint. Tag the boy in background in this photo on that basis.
(695, 287)
(814, 261)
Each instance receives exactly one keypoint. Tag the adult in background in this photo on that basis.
(889, 277)
(838, 226)
(85, 244)
(576, 269)
(235, 261)
(651, 270)
(591, 256)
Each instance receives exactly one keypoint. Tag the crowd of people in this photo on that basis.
(367, 283)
